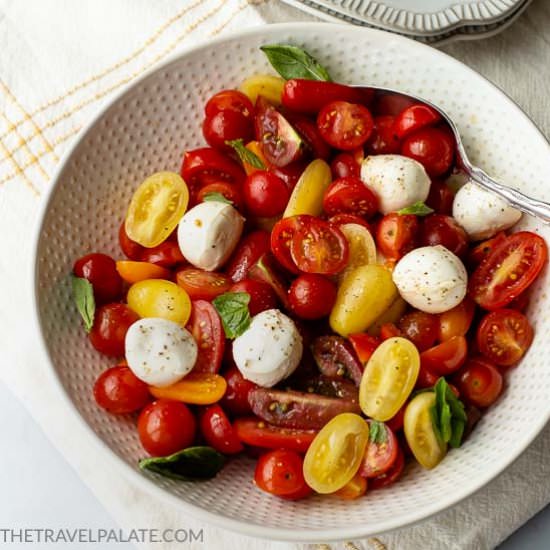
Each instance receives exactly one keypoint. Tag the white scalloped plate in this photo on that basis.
(145, 129)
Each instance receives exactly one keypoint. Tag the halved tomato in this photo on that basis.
(197, 388)
(281, 237)
(364, 345)
(483, 249)
(202, 285)
(132, 272)
(251, 248)
(228, 190)
(392, 475)
(381, 450)
(351, 196)
(445, 358)
(397, 234)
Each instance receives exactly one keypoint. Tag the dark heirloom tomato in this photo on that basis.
(350, 196)
(265, 194)
(130, 248)
(503, 336)
(479, 382)
(456, 321)
(483, 249)
(432, 147)
(392, 475)
(508, 270)
(294, 409)
(328, 386)
(235, 399)
(311, 137)
(382, 450)
(343, 219)
(229, 100)
(262, 295)
(364, 345)
(280, 473)
(230, 191)
(226, 126)
(100, 271)
(218, 431)
(166, 254)
(281, 237)
(396, 235)
(334, 356)
(414, 118)
(202, 285)
(420, 328)
(345, 125)
(251, 248)
(312, 296)
(344, 165)
(441, 198)
(444, 230)
(206, 327)
(119, 391)
(111, 322)
(445, 358)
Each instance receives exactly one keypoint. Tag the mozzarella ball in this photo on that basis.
(269, 350)
(431, 279)
(397, 180)
(481, 213)
(160, 352)
(208, 234)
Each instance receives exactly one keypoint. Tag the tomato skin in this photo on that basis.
(280, 473)
(119, 391)
(229, 100)
(265, 194)
(396, 235)
(130, 248)
(392, 475)
(335, 357)
(447, 357)
(262, 296)
(426, 378)
(389, 330)
(230, 191)
(202, 285)
(456, 321)
(225, 126)
(312, 296)
(251, 248)
(166, 427)
(343, 219)
(343, 165)
(311, 137)
(379, 456)
(364, 345)
(441, 198)
(235, 399)
(111, 323)
(420, 328)
(414, 118)
(267, 271)
(218, 431)
(166, 254)
(281, 238)
(350, 196)
(290, 173)
(444, 230)
(388, 103)
(100, 271)
(395, 423)
(432, 147)
(508, 270)
(196, 388)
(383, 140)
(503, 336)
(484, 248)
(304, 492)
(133, 272)
(479, 382)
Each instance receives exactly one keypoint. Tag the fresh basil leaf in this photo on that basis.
(216, 197)
(418, 209)
(293, 62)
(83, 293)
(448, 414)
(246, 155)
(233, 310)
(377, 432)
(191, 464)
(457, 429)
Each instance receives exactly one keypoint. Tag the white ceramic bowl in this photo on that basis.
(146, 129)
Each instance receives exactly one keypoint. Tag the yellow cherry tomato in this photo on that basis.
(391, 315)
(160, 298)
(307, 196)
(353, 489)
(363, 295)
(156, 208)
(362, 250)
(197, 388)
(389, 378)
(266, 85)
(419, 431)
(133, 272)
(336, 453)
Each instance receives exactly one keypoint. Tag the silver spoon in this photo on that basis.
(513, 197)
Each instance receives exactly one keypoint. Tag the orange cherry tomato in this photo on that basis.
(133, 272)
(456, 321)
(353, 489)
(197, 388)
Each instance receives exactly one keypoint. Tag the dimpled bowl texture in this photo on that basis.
(146, 129)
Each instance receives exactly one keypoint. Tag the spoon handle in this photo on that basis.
(515, 198)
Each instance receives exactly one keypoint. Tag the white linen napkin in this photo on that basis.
(60, 60)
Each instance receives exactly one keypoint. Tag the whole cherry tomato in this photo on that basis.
(388, 103)
(262, 295)
(130, 248)
(100, 271)
(396, 235)
(383, 140)
(280, 472)
(445, 358)
(432, 147)
(225, 126)
(265, 194)
(456, 321)
(350, 196)
(414, 118)
(229, 190)
(344, 165)
(111, 323)
(218, 432)
(444, 230)
(166, 254)
(229, 100)
(312, 296)
(251, 248)
(290, 173)
(479, 382)
(441, 198)
(235, 399)
(420, 328)
(119, 391)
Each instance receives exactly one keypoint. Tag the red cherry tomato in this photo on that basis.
(218, 431)
(265, 194)
(229, 100)
(166, 254)
(479, 382)
(262, 295)
(267, 271)
(392, 475)
(319, 247)
(202, 285)
(483, 249)
(426, 378)
(364, 345)
(130, 248)
(290, 173)
(441, 198)
(344, 165)
(444, 230)
(281, 237)
(312, 296)
(111, 323)
(508, 270)
(503, 336)
(230, 191)
(396, 235)
(389, 330)
(206, 327)
(395, 423)
(251, 248)
(350, 196)
(383, 140)
(345, 125)
(119, 391)
(414, 118)
(235, 399)
(420, 328)
(280, 473)
(456, 321)
(313, 142)
(445, 358)
(226, 126)
(432, 147)
(166, 427)
(382, 450)
(100, 271)
(342, 219)
(391, 104)
(304, 492)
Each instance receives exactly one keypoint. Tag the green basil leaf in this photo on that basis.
(418, 209)
(83, 293)
(457, 429)
(216, 197)
(191, 464)
(448, 414)
(233, 310)
(246, 155)
(377, 432)
(293, 62)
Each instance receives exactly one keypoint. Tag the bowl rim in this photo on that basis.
(148, 484)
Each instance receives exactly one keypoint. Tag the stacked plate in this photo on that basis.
(431, 21)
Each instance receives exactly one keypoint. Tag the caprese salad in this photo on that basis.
(313, 289)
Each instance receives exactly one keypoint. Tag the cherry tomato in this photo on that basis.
(251, 248)
(521, 302)
(388, 103)
(166, 427)
(119, 391)
(389, 330)
(312, 140)
(362, 249)
(414, 118)
(335, 358)
(130, 248)
(265, 85)
(420, 328)
(319, 247)
(202, 285)
(281, 238)
(218, 431)
(381, 450)
(254, 431)
(312, 296)
(265, 194)
(447, 357)
(100, 271)
(230, 191)
(395, 423)
(353, 489)
(133, 272)
(426, 378)
(383, 140)
(456, 321)
(345, 125)
(508, 270)
(229, 100)
(265, 270)
(111, 323)
(396, 235)
(197, 388)
(344, 219)
(363, 345)
(280, 473)
(226, 126)
(290, 173)
(392, 475)
(444, 230)
(483, 249)
(166, 254)
(235, 399)
(304, 492)
(432, 147)
(206, 327)
(350, 196)
(441, 198)
(503, 336)
(479, 382)
(262, 295)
